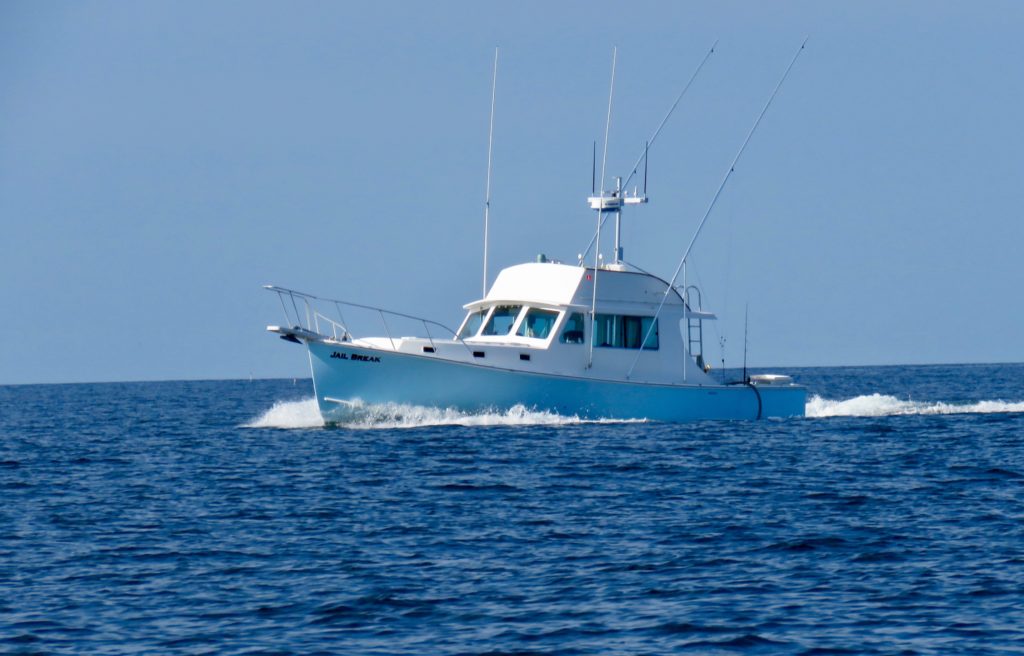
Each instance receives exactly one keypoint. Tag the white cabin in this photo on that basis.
(536, 317)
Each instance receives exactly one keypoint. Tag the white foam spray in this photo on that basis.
(305, 414)
(883, 405)
(289, 414)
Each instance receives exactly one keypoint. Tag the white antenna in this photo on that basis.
(711, 206)
(600, 211)
(490, 145)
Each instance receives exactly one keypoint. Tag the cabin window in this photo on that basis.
(573, 331)
(472, 324)
(537, 324)
(620, 331)
(502, 320)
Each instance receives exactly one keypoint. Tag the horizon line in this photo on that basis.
(307, 377)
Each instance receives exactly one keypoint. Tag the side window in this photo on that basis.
(472, 324)
(618, 331)
(631, 333)
(538, 323)
(502, 320)
(608, 330)
(573, 331)
(645, 324)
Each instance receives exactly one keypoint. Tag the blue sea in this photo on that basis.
(221, 517)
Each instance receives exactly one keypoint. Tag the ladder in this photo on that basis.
(694, 327)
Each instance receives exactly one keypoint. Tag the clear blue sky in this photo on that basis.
(159, 161)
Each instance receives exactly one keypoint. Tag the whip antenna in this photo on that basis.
(490, 145)
(711, 206)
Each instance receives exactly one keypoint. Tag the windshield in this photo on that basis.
(472, 324)
(537, 324)
(502, 320)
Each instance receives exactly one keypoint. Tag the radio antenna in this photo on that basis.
(490, 145)
(593, 170)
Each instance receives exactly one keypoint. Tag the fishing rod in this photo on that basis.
(711, 206)
(746, 317)
(650, 142)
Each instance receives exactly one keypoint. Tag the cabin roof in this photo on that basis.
(546, 283)
(550, 283)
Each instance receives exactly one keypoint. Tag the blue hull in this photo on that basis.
(348, 373)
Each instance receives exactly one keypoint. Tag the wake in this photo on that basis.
(305, 414)
(883, 405)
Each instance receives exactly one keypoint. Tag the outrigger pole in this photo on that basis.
(650, 142)
(711, 206)
(490, 144)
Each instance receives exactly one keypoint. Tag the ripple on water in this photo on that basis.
(202, 529)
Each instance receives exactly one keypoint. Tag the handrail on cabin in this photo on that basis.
(313, 316)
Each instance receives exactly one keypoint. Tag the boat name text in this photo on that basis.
(355, 357)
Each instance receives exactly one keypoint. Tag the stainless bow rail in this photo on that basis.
(309, 317)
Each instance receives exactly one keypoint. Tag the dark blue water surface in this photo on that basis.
(147, 517)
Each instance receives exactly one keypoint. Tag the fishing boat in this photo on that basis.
(587, 339)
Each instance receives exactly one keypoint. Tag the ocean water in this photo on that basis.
(222, 517)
